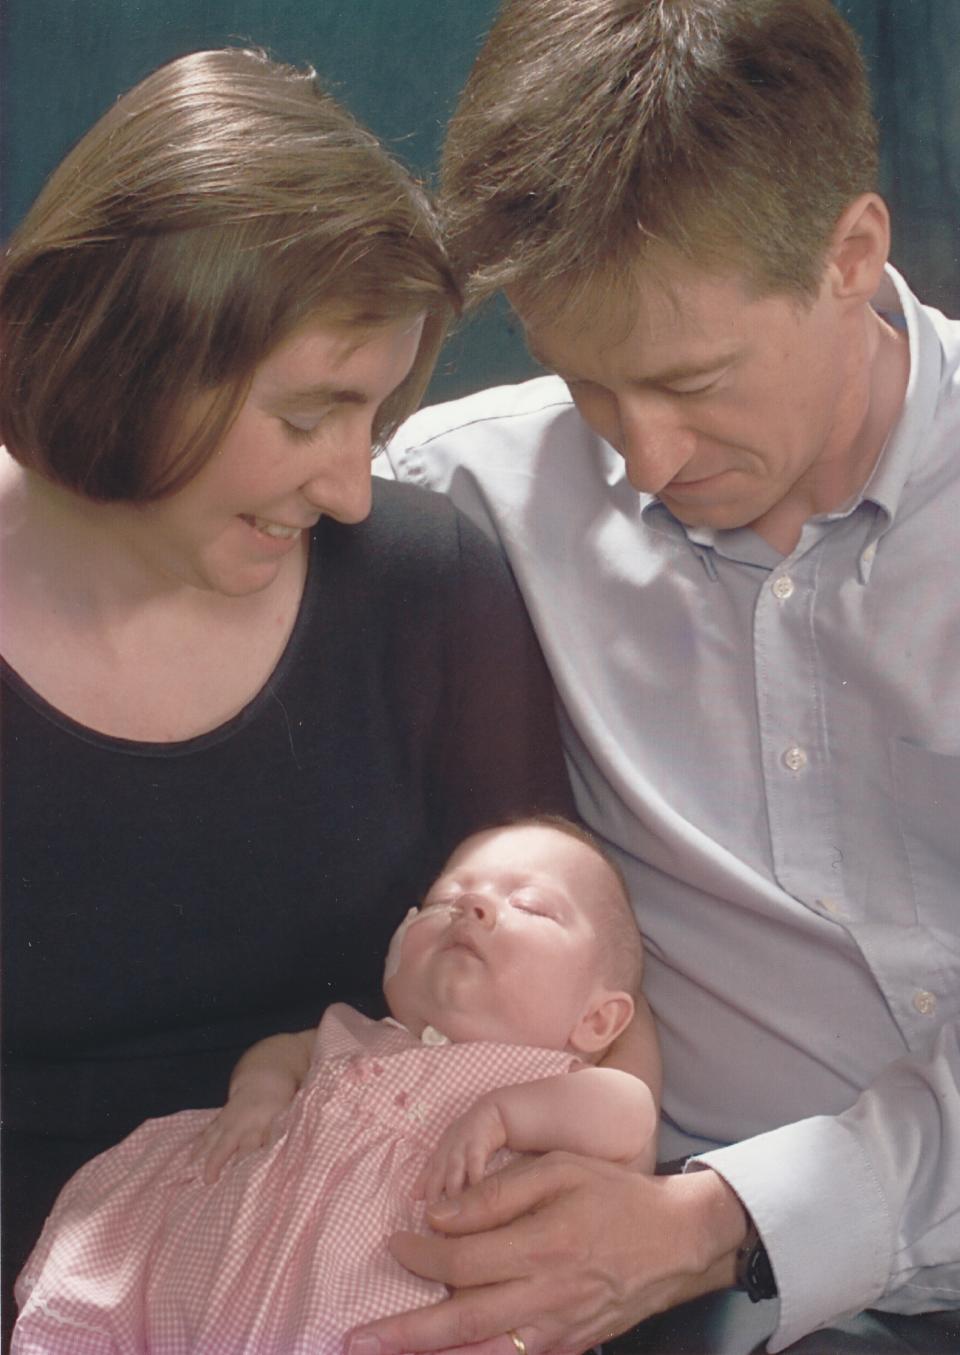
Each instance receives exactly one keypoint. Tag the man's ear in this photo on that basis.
(607, 1015)
(859, 248)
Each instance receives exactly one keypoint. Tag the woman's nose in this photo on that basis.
(342, 487)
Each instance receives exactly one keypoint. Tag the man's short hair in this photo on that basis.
(215, 208)
(733, 132)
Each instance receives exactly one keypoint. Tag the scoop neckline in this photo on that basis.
(197, 742)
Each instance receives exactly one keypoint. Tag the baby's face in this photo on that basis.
(503, 947)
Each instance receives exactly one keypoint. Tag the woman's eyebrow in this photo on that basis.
(320, 393)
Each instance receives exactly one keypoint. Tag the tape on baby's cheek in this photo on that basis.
(396, 944)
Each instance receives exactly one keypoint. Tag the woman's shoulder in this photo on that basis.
(414, 529)
(405, 502)
(403, 513)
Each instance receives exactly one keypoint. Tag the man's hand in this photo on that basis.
(465, 1148)
(564, 1250)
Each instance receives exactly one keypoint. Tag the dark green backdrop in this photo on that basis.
(399, 65)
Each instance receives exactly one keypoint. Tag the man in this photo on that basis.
(729, 517)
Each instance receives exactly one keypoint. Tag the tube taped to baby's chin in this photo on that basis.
(414, 915)
(392, 963)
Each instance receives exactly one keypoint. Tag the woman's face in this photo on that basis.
(300, 448)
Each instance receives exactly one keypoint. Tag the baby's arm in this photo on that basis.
(599, 1112)
(264, 1082)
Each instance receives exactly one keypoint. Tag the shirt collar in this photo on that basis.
(885, 485)
(895, 301)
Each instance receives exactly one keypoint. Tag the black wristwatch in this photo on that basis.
(754, 1271)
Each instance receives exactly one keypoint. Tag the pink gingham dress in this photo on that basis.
(285, 1253)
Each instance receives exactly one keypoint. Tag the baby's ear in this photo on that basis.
(607, 1015)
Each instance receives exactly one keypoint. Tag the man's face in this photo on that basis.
(721, 404)
(503, 947)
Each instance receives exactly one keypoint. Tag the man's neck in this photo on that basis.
(838, 478)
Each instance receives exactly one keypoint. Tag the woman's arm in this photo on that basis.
(498, 753)
(264, 1082)
(596, 1112)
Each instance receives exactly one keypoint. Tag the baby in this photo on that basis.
(520, 968)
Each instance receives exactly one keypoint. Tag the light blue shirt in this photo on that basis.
(771, 747)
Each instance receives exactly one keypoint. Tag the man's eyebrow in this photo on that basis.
(684, 371)
(681, 371)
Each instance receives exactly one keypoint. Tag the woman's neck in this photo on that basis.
(82, 555)
(124, 649)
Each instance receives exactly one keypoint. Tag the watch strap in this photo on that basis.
(754, 1273)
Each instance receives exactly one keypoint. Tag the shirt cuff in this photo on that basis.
(820, 1210)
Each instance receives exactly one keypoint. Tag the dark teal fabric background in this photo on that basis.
(399, 64)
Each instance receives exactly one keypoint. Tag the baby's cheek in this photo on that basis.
(396, 944)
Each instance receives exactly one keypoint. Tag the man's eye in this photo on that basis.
(703, 389)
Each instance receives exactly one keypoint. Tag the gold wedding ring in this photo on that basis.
(519, 1344)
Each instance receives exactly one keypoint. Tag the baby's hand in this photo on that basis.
(241, 1127)
(465, 1148)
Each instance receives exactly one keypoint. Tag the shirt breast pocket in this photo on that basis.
(928, 804)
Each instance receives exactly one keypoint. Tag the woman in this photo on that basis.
(243, 725)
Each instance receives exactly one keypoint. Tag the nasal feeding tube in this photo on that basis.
(392, 963)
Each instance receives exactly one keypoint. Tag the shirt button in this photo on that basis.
(869, 553)
(925, 1003)
(795, 759)
(782, 587)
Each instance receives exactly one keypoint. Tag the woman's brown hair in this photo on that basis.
(215, 208)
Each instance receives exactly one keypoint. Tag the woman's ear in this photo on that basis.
(604, 1019)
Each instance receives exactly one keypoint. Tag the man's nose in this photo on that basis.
(655, 444)
(342, 485)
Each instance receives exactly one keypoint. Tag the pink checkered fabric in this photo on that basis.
(286, 1253)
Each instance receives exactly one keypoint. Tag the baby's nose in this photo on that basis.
(479, 908)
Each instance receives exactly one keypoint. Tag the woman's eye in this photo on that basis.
(301, 431)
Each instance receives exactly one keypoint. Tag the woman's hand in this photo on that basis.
(465, 1148)
(565, 1251)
